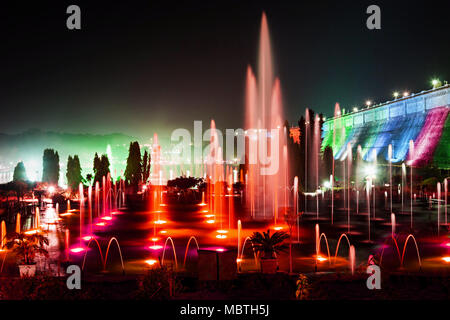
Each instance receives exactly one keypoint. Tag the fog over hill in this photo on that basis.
(29, 146)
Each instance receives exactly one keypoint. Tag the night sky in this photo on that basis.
(142, 66)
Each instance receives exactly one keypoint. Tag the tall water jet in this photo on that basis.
(264, 123)
(390, 174)
(97, 199)
(349, 168)
(37, 218)
(438, 207)
(403, 184)
(307, 125)
(156, 176)
(2, 235)
(352, 259)
(445, 198)
(239, 224)
(81, 197)
(358, 175)
(90, 208)
(393, 224)
(67, 243)
(315, 154)
(374, 156)
(103, 195)
(295, 207)
(337, 115)
(332, 197)
(411, 157)
(368, 187)
(18, 226)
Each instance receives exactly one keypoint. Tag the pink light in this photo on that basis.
(77, 250)
(156, 247)
(220, 249)
(101, 224)
(106, 218)
(87, 238)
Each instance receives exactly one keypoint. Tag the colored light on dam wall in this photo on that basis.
(423, 118)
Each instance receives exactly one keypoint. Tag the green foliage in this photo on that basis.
(50, 162)
(20, 173)
(133, 171)
(303, 287)
(268, 244)
(101, 167)
(185, 182)
(26, 246)
(146, 162)
(73, 173)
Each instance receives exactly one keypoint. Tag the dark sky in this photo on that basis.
(142, 66)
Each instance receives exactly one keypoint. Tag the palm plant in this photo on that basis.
(26, 246)
(269, 245)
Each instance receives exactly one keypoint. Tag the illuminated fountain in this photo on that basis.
(173, 250)
(390, 174)
(393, 224)
(2, 235)
(264, 123)
(445, 199)
(307, 125)
(411, 156)
(438, 207)
(18, 226)
(156, 174)
(104, 259)
(187, 247)
(401, 257)
(315, 158)
(368, 187)
(81, 197)
(349, 168)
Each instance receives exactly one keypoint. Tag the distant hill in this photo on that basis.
(29, 146)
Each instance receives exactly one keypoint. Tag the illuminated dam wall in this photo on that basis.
(423, 118)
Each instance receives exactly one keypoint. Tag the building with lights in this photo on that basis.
(422, 118)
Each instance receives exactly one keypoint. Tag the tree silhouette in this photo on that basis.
(146, 162)
(133, 171)
(101, 167)
(20, 173)
(73, 173)
(50, 163)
